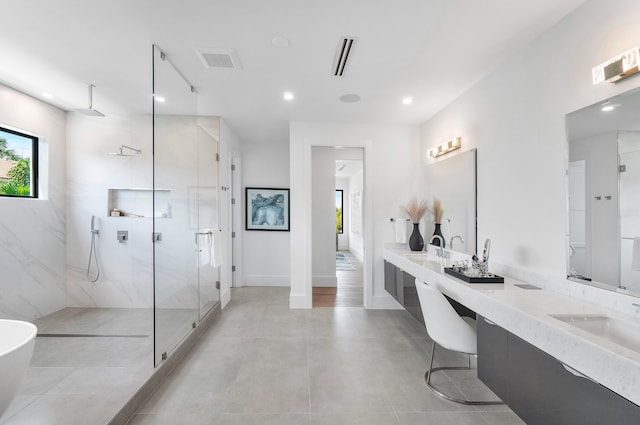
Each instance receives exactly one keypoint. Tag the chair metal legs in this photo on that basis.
(427, 378)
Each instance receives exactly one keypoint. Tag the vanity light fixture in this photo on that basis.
(451, 145)
(617, 68)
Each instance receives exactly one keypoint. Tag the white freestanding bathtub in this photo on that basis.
(17, 340)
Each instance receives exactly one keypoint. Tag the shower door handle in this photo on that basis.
(210, 233)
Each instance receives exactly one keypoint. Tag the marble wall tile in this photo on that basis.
(32, 231)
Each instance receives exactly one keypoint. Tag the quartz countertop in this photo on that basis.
(527, 314)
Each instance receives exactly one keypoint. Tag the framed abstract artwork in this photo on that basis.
(267, 209)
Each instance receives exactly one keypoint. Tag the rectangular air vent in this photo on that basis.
(345, 48)
(219, 58)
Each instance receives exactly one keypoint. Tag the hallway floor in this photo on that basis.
(349, 291)
(264, 364)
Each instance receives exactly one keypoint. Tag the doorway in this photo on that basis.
(337, 231)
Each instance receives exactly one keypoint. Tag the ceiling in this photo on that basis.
(432, 50)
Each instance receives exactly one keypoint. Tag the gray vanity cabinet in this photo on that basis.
(540, 389)
(402, 286)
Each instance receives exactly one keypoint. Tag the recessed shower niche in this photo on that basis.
(139, 203)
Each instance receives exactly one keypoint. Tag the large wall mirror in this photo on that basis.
(452, 180)
(603, 232)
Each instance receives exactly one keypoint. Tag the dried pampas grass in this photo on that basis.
(437, 211)
(416, 210)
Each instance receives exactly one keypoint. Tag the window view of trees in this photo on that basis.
(339, 211)
(16, 156)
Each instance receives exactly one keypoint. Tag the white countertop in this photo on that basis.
(526, 313)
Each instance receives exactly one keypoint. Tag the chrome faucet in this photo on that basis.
(485, 253)
(454, 238)
(440, 249)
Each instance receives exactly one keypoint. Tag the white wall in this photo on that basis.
(515, 117)
(230, 149)
(266, 253)
(32, 231)
(391, 163)
(356, 240)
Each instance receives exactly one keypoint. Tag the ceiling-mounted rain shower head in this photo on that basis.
(90, 111)
(121, 151)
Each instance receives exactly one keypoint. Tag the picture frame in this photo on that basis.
(267, 209)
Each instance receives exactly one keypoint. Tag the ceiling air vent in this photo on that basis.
(342, 55)
(219, 58)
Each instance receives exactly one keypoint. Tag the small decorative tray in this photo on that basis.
(491, 278)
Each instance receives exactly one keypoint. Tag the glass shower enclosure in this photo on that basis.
(185, 204)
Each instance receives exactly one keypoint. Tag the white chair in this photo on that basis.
(449, 331)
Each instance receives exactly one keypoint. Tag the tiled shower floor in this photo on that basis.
(87, 363)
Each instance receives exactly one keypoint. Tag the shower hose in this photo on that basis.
(93, 254)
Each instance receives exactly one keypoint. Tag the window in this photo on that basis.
(339, 211)
(18, 164)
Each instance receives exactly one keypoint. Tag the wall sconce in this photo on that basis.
(451, 145)
(615, 69)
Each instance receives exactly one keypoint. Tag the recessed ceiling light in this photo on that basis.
(287, 95)
(280, 42)
(349, 98)
(160, 99)
(47, 95)
(407, 100)
(608, 108)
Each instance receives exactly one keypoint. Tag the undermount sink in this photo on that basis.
(615, 330)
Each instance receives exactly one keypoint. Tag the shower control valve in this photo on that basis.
(123, 235)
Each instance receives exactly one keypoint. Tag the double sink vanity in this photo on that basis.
(552, 358)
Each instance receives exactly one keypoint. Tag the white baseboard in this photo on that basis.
(324, 281)
(357, 254)
(258, 280)
(299, 301)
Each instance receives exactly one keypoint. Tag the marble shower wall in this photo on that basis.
(126, 269)
(32, 231)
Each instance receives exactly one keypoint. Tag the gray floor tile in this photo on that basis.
(442, 418)
(354, 419)
(264, 419)
(261, 388)
(69, 410)
(39, 380)
(502, 418)
(259, 363)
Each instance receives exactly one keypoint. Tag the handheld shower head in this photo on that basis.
(94, 226)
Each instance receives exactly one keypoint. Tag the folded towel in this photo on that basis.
(401, 230)
(216, 249)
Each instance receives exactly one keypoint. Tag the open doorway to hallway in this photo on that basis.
(337, 236)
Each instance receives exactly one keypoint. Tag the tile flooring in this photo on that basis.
(90, 362)
(262, 363)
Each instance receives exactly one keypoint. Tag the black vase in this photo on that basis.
(416, 243)
(436, 241)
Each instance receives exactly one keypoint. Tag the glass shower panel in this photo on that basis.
(209, 255)
(175, 144)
